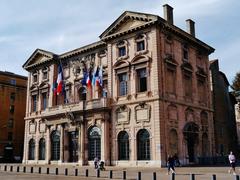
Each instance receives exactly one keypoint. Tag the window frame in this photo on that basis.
(140, 38)
(122, 44)
(126, 84)
(138, 79)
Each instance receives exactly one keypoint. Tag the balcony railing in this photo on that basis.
(93, 104)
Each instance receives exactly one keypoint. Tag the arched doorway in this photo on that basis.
(123, 146)
(94, 143)
(55, 146)
(190, 132)
(143, 145)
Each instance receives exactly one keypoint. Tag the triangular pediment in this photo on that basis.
(128, 21)
(39, 56)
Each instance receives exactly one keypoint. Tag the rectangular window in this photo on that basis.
(35, 78)
(34, 103)
(10, 136)
(44, 101)
(140, 45)
(12, 98)
(45, 75)
(188, 85)
(142, 80)
(170, 81)
(123, 82)
(10, 123)
(13, 82)
(185, 52)
(11, 109)
(201, 90)
(121, 51)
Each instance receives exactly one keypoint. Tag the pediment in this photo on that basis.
(128, 21)
(39, 56)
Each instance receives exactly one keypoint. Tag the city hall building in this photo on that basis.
(155, 100)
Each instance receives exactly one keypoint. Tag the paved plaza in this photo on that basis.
(182, 173)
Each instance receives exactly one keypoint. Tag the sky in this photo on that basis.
(60, 26)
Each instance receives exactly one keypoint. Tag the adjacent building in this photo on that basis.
(155, 99)
(224, 112)
(13, 90)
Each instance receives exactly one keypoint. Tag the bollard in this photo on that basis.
(76, 172)
(110, 174)
(66, 171)
(5, 168)
(214, 177)
(18, 169)
(154, 176)
(86, 173)
(11, 168)
(192, 176)
(124, 175)
(56, 172)
(47, 170)
(139, 176)
(98, 173)
(39, 170)
(173, 176)
(236, 177)
(24, 169)
(31, 169)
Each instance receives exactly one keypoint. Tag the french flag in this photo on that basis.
(99, 76)
(60, 80)
(89, 79)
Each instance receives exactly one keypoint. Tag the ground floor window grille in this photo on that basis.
(143, 145)
(94, 143)
(55, 146)
(42, 148)
(123, 146)
(31, 154)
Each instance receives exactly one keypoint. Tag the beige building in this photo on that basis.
(155, 99)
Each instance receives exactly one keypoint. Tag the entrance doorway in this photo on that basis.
(190, 132)
(73, 146)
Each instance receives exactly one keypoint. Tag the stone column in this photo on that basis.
(48, 145)
(61, 143)
(105, 156)
(25, 152)
(81, 141)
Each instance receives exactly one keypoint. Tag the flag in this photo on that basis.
(100, 77)
(89, 79)
(85, 76)
(96, 76)
(54, 88)
(60, 86)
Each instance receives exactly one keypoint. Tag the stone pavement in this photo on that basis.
(182, 173)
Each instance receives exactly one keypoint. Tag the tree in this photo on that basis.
(236, 83)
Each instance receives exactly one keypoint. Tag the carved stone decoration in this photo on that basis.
(32, 127)
(123, 115)
(42, 127)
(142, 112)
(76, 68)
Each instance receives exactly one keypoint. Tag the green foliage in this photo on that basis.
(236, 82)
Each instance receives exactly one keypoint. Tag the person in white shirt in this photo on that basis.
(232, 161)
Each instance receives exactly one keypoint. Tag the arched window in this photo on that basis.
(31, 153)
(123, 146)
(205, 144)
(42, 148)
(143, 145)
(94, 143)
(173, 142)
(55, 145)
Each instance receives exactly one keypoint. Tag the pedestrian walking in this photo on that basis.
(96, 161)
(170, 164)
(232, 161)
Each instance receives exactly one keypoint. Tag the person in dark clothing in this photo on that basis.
(170, 164)
(176, 159)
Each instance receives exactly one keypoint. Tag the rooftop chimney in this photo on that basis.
(190, 27)
(168, 13)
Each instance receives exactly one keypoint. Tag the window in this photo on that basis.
(142, 80)
(13, 82)
(94, 143)
(185, 52)
(35, 77)
(55, 146)
(44, 101)
(45, 74)
(42, 145)
(11, 109)
(34, 103)
(121, 51)
(12, 98)
(123, 83)
(171, 80)
(123, 146)
(141, 45)
(10, 136)
(10, 123)
(201, 90)
(188, 85)
(143, 145)
(31, 152)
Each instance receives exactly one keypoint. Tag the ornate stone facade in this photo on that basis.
(157, 98)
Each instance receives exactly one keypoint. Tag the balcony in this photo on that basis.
(95, 104)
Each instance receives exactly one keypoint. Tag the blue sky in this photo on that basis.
(60, 26)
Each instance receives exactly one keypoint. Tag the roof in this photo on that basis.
(11, 74)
